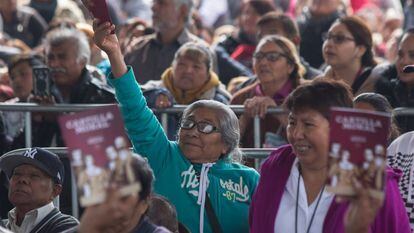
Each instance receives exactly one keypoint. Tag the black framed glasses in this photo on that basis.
(270, 56)
(337, 39)
(202, 126)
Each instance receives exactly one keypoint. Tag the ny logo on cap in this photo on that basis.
(30, 153)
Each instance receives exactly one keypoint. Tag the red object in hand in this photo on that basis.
(99, 10)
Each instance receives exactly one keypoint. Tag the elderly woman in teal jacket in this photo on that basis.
(199, 167)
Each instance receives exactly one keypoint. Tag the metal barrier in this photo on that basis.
(28, 108)
(72, 196)
(238, 109)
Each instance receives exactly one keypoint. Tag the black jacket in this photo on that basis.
(89, 90)
(398, 94)
(26, 25)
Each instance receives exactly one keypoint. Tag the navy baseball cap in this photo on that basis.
(38, 157)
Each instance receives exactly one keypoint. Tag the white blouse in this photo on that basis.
(285, 218)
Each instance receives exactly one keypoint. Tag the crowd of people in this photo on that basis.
(301, 56)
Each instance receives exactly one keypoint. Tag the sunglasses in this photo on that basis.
(337, 39)
(270, 56)
(202, 126)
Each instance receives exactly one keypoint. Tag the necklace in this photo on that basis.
(297, 206)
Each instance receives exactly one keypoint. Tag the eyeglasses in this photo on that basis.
(202, 126)
(270, 56)
(337, 39)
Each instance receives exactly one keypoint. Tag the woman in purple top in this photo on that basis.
(291, 195)
(277, 66)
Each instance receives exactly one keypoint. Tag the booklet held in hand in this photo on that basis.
(358, 142)
(99, 10)
(99, 152)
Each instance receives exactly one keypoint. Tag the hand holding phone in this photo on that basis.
(41, 81)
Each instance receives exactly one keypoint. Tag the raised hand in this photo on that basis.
(113, 215)
(362, 210)
(258, 105)
(108, 42)
(43, 116)
(104, 38)
(162, 101)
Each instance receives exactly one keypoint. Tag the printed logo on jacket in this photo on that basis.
(232, 190)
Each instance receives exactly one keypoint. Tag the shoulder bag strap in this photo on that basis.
(212, 217)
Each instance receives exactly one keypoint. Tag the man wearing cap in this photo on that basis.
(36, 178)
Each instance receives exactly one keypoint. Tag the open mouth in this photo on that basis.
(302, 148)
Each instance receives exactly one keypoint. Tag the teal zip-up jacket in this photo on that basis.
(231, 185)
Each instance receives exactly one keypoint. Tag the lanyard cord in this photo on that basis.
(297, 206)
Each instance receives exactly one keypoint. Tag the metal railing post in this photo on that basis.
(74, 195)
(164, 122)
(403, 111)
(28, 129)
(257, 139)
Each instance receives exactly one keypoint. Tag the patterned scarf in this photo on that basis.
(189, 96)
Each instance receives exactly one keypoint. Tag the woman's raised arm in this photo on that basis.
(108, 42)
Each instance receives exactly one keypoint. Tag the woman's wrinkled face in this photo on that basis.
(201, 147)
(189, 74)
(405, 57)
(308, 133)
(271, 64)
(339, 48)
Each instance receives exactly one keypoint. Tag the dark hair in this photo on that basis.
(407, 32)
(362, 36)
(288, 25)
(162, 213)
(32, 60)
(320, 95)
(260, 7)
(377, 101)
(410, 30)
(143, 173)
(380, 104)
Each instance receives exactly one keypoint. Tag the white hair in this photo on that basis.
(228, 125)
(61, 35)
(190, 6)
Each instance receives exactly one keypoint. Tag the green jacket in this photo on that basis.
(231, 185)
